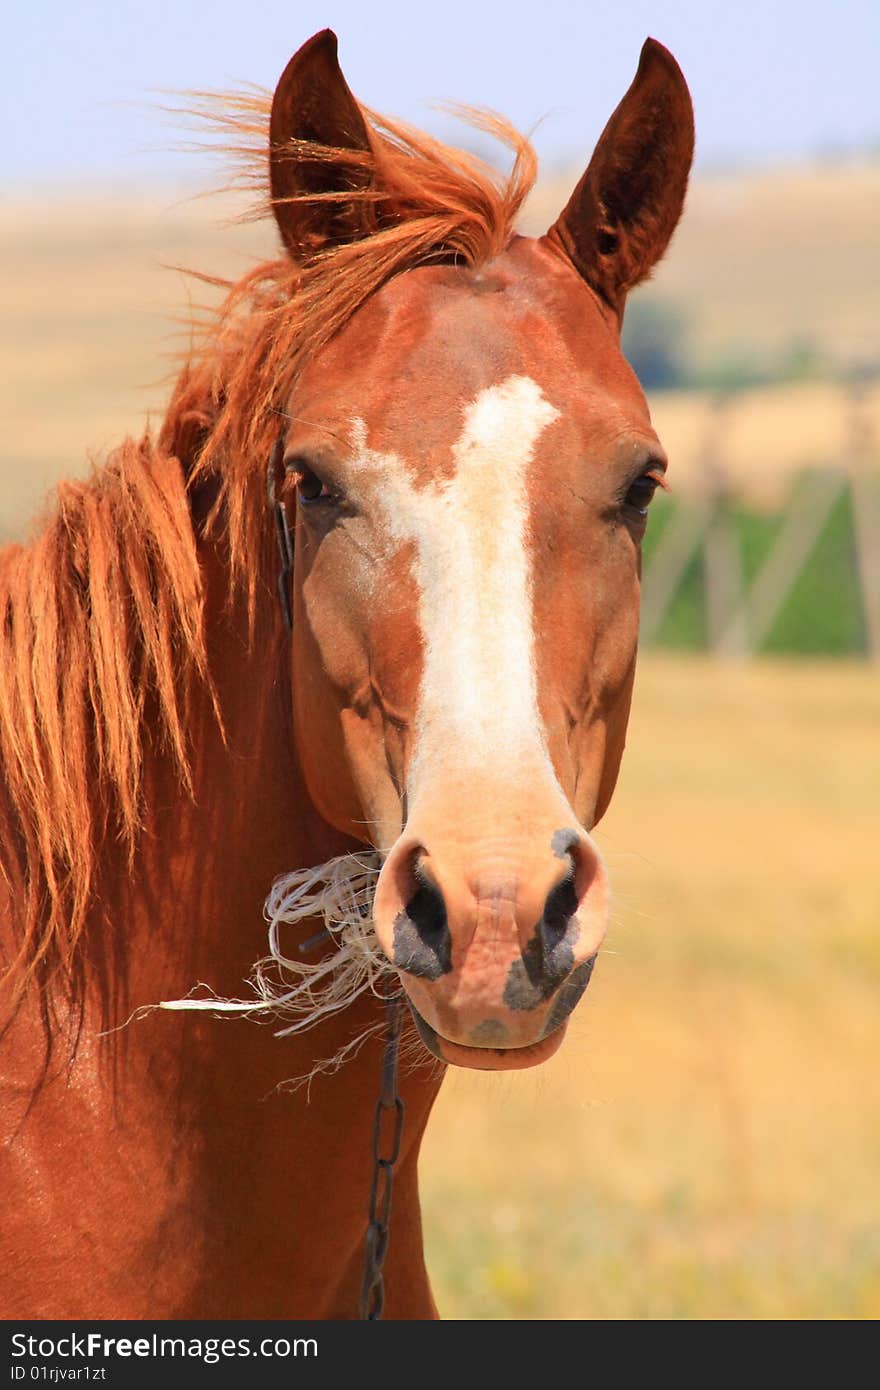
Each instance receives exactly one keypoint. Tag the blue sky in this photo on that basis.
(771, 81)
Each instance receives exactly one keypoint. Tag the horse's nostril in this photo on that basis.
(422, 941)
(426, 907)
(559, 908)
(548, 958)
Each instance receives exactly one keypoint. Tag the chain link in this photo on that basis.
(387, 1138)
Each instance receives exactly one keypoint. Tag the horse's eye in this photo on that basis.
(309, 487)
(638, 498)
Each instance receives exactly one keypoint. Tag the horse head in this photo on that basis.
(472, 460)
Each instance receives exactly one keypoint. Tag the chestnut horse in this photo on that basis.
(466, 462)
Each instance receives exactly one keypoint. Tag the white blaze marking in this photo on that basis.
(478, 699)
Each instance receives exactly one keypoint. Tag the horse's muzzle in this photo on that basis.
(494, 949)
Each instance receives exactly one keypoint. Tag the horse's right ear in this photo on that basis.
(618, 221)
(313, 106)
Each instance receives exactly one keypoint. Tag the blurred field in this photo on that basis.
(707, 1143)
(93, 318)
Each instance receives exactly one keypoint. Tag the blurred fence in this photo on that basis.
(725, 575)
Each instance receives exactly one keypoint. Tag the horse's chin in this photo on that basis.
(487, 1058)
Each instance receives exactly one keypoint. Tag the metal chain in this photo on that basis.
(387, 1137)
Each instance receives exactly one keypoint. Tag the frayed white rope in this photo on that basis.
(298, 992)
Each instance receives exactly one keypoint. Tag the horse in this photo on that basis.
(460, 462)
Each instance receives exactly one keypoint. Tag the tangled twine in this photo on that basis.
(298, 992)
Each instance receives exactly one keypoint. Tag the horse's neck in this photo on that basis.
(191, 908)
(250, 817)
(188, 907)
(168, 1137)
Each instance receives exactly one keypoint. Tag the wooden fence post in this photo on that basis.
(722, 566)
(805, 517)
(864, 480)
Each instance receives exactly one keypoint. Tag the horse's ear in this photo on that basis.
(618, 221)
(313, 106)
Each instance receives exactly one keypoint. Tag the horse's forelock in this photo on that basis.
(437, 203)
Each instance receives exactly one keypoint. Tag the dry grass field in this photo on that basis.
(93, 318)
(707, 1142)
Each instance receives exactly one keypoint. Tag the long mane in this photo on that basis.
(103, 612)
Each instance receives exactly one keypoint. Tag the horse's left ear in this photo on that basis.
(315, 193)
(618, 221)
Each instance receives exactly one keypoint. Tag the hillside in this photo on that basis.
(93, 318)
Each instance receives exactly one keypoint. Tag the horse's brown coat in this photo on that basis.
(158, 773)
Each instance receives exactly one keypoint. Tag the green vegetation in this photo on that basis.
(822, 614)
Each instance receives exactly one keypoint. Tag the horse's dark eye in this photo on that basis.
(638, 498)
(309, 487)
